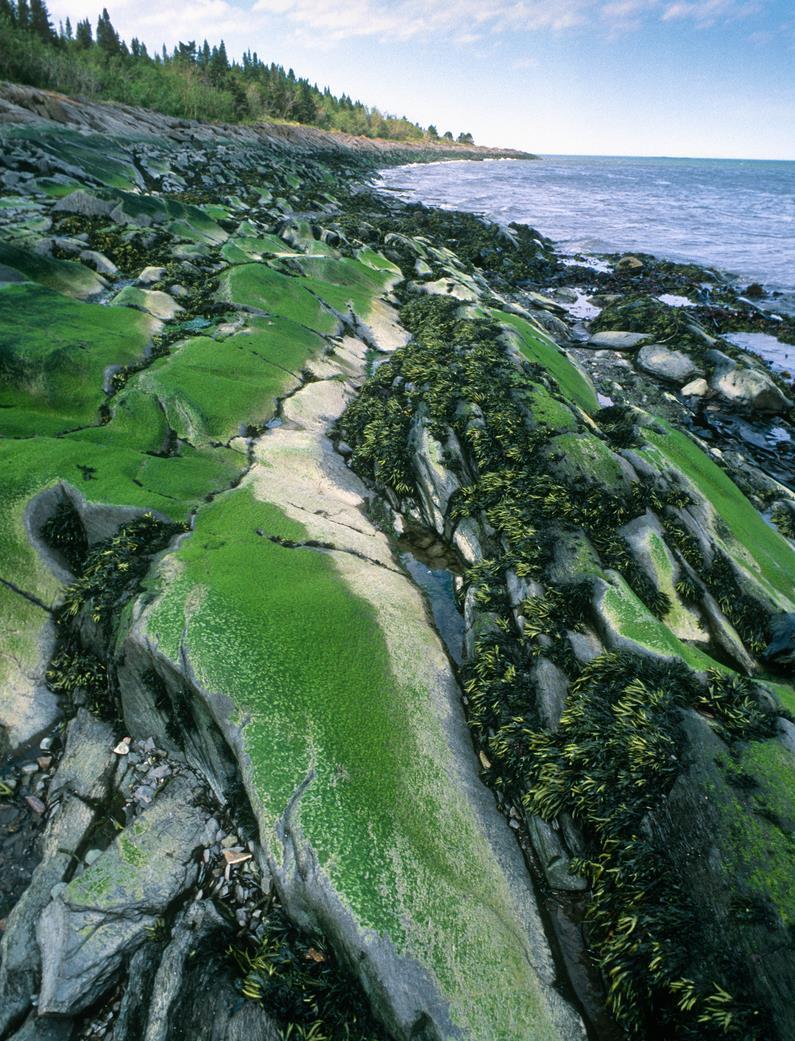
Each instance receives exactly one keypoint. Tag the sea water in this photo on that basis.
(734, 215)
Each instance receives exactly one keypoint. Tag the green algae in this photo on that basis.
(633, 620)
(754, 544)
(581, 458)
(54, 354)
(210, 389)
(277, 629)
(260, 287)
(63, 276)
(537, 347)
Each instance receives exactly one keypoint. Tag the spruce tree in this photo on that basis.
(107, 37)
(40, 22)
(23, 14)
(84, 38)
(8, 11)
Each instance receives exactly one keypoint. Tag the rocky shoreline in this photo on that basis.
(249, 791)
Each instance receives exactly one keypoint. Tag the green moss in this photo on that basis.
(633, 620)
(582, 458)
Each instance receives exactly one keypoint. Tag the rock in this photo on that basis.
(435, 481)
(84, 204)
(781, 649)
(629, 263)
(660, 361)
(86, 933)
(552, 687)
(755, 291)
(153, 301)
(617, 340)
(696, 388)
(747, 387)
(150, 275)
(36, 1029)
(99, 262)
(554, 858)
(79, 783)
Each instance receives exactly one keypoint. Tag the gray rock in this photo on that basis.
(35, 1029)
(80, 782)
(617, 340)
(552, 687)
(674, 366)
(781, 649)
(751, 388)
(86, 933)
(696, 388)
(150, 275)
(553, 856)
(84, 204)
(98, 261)
(435, 482)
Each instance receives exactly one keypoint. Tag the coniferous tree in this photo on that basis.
(23, 14)
(8, 11)
(84, 38)
(68, 35)
(107, 37)
(40, 22)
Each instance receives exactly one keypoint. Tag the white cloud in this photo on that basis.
(324, 23)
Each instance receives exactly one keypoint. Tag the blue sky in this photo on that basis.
(612, 77)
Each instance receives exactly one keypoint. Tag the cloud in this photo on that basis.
(706, 13)
(412, 20)
(325, 23)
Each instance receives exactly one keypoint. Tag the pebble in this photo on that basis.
(44, 762)
(29, 768)
(233, 856)
(35, 804)
(122, 748)
(92, 856)
(46, 744)
(57, 889)
(144, 794)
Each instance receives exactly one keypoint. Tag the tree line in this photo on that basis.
(194, 81)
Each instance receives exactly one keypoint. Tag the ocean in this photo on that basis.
(734, 215)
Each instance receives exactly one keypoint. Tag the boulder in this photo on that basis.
(98, 261)
(744, 386)
(665, 364)
(154, 302)
(618, 340)
(84, 204)
(149, 275)
(629, 263)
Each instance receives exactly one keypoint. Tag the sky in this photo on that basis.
(711, 78)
